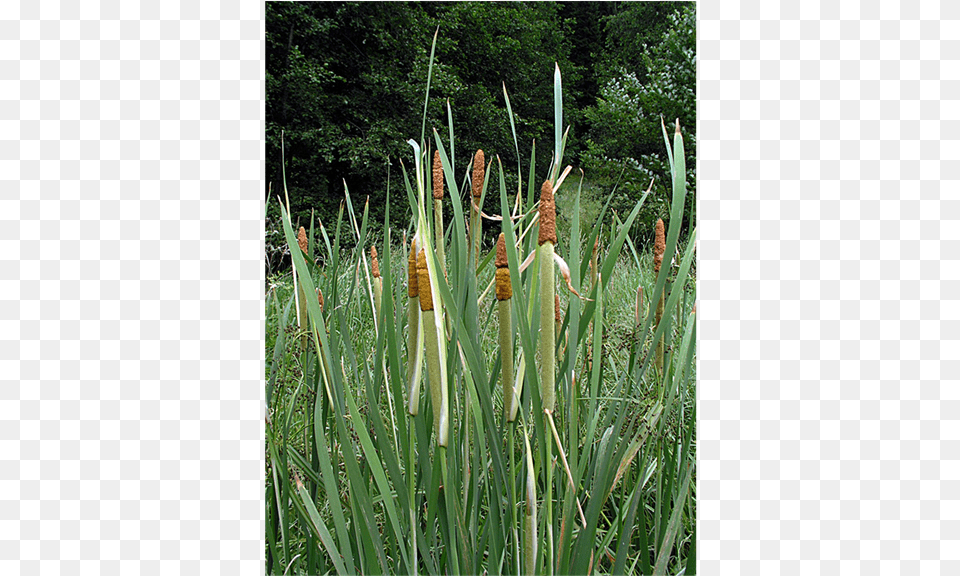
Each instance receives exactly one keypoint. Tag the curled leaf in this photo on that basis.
(565, 270)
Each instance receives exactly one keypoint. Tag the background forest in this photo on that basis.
(344, 83)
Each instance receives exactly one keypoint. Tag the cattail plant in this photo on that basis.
(547, 238)
(438, 392)
(504, 294)
(659, 246)
(377, 281)
(353, 485)
(476, 191)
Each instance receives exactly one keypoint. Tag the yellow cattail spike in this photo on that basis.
(423, 282)
(412, 274)
(375, 266)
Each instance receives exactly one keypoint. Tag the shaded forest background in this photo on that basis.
(345, 83)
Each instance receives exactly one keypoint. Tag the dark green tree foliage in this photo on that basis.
(345, 84)
(648, 80)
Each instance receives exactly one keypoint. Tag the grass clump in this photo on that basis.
(354, 485)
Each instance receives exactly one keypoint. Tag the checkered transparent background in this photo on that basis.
(131, 319)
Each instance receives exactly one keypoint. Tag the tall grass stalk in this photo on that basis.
(659, 246)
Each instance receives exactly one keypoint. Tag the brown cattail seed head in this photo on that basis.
(320, 299)
(302, 240)
(437, 176)
(548, 215)
(556, 309)
(375, 266)
(478, 166)
(504, 289)
(501, 261)
(423, 282)
(413, 289)
(659, 245)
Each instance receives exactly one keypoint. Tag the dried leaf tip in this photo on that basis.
(413, 289)
(501, 261)
(302, 240)
(423, 282)
(659, 245)
(548, 215)
(437, 176)
(678, 125)
(478, 168)
(375, 266)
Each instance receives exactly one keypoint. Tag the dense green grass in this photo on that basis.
(603, 484)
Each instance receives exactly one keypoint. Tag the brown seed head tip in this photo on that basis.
(548, 215)
(478, 166)
(437, 176)
(501, 261)
(423, 282)
(413, 289)
(556, 309)
(375, 266)
(659, 245)
(302, 240)
(320, 299)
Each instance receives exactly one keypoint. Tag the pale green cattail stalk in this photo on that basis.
(413, 384)
(659, 247)
(504, 294)
(377, 281)
(438, 394)
(530, 515)
(547, 238)
(476, 191)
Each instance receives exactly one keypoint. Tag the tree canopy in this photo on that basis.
(345, 84)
